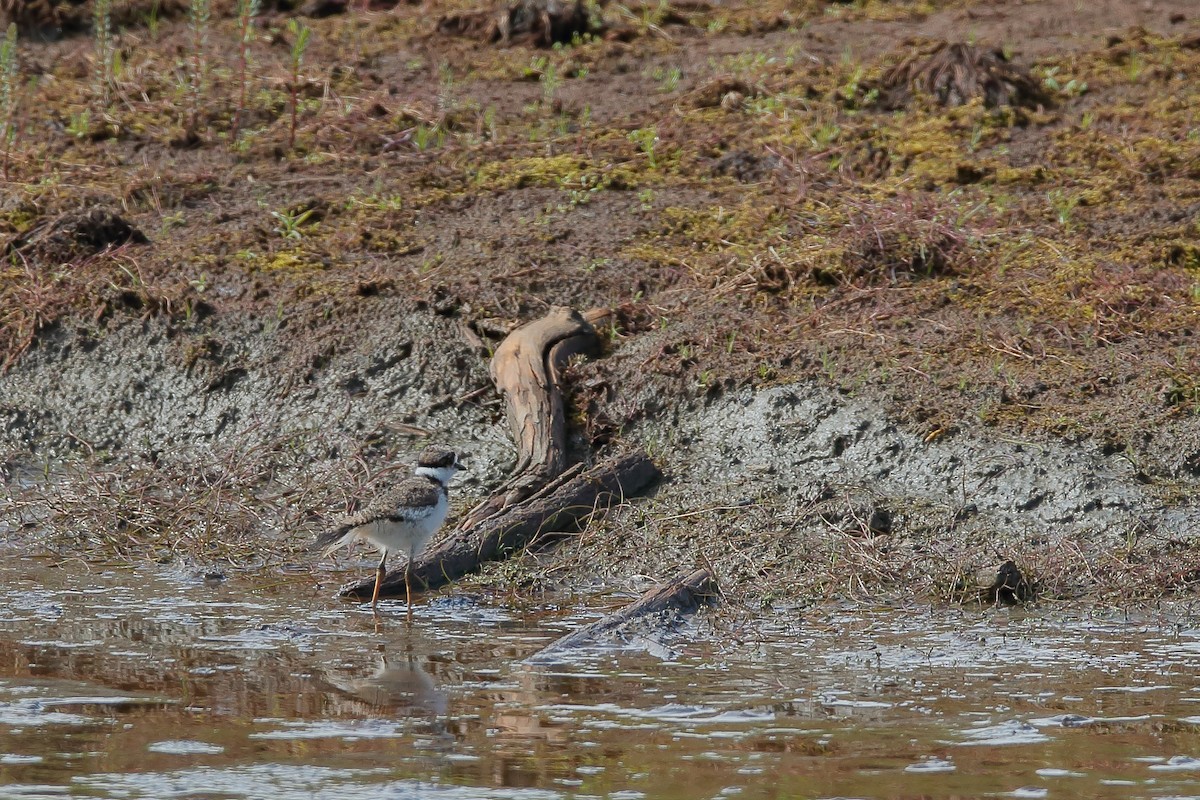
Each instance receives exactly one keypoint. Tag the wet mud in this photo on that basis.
(783, 473)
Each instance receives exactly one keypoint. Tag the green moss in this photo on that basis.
(553, 172)
(931, 147)
(18, 220)
(293, 262)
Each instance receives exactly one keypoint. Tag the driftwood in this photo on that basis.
(565, 506)
(526, 370)
(680, 595)
(542, 496)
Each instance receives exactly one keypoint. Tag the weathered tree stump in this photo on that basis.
(682, 594)
(542, 496)
(526, 370)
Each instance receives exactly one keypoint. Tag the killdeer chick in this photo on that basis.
(404, 519)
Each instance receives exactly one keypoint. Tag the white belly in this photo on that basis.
(408, 535)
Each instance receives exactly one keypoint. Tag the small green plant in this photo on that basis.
(152, 21)
(246, 139)
(300, 36)
(580, 188)
(1135, 66)
(447, 98)
(828, 365)
(199, 15)
(426, 137)
(976, 139)
(1088, 119)
(826, 134)
(1183, 392)
(489, 123)
(647, 141)
(652, 15)
(80, 124)
(850, 90)
(290, 222)
(247, 11)
(103, 37)
(170, 221)
(1063, 205)
(9, 66)
(1072, 88)
(548, 76)
(668, 79)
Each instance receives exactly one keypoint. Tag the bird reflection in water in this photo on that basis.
(400, 685)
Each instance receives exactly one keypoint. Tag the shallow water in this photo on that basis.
(121, 683)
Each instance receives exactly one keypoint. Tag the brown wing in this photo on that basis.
(411, 493)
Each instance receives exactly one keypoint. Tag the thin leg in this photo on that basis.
(379, 573)
(408, 586)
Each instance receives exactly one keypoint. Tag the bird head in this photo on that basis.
(438, 463)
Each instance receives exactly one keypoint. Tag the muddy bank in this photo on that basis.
(804, 489)
(145, 390)
(235, 440)
(797, 491)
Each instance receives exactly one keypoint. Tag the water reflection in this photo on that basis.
(399, 686)
(121, 683)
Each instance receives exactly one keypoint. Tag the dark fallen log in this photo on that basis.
(682, 594)
(567, 505)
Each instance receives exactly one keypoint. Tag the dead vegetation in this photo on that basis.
(724, 91)
(73, 235)
(50, 19)
(905, 238)
(954, 73)
(533, 23)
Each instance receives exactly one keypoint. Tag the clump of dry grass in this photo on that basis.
(907, 237)
(241, 507)
(74, 235)
(536, 23)
(954, 74)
